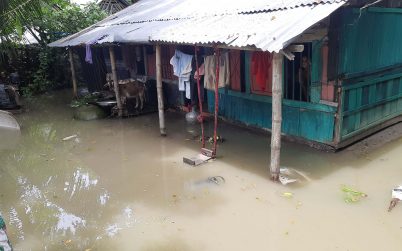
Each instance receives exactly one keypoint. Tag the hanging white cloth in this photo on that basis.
(181, 63)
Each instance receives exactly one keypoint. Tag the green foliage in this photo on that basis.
(41, 81)
(87, 99)
(46, 21)
(65, 18)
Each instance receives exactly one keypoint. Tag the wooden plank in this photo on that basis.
(358, 104)
(370, 80)
(247, 66)
(372, 105)
(358, 135)
(317, 126)
(144, 53)
(292, 103)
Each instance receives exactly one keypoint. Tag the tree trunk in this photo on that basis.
(276, 115)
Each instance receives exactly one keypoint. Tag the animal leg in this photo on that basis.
(136, 102)
(142, 101)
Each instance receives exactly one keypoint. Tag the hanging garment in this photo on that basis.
(210, 71)
(88, 52)
(182, 69)
(261, 68)
(201, 71)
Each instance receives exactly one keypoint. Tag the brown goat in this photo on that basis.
(129, 88)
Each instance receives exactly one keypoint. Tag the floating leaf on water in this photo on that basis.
(352, 191)
(287, 195)
(352, 195)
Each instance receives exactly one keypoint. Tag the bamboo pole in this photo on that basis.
(160, 91)
(276, 115)
(73, 75)
(115, 82)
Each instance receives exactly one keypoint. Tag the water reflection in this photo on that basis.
(119, 186)
(81, 180)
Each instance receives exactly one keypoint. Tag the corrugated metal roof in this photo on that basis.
(267, 25)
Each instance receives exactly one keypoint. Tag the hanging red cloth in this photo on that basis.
(261, 68)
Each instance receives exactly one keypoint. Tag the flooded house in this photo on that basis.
(325, 73)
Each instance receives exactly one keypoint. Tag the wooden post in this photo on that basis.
(276, 115)
(144, 52)
(115, 81)
(73, 76)
(159, 89)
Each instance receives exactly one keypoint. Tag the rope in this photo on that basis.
(201, 119)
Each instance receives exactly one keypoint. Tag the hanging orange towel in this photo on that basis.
(261, 63)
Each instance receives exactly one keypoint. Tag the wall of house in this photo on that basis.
(370, 100)
(311, 121)
(369, 65)
(369, 40)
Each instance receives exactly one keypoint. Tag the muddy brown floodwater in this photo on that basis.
(120, 186)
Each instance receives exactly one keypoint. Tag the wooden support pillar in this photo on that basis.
(115, 81)
(144, 52)
(73, 75)
(159, 89)
(277, 76)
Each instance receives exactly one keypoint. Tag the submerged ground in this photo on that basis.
(120, 186)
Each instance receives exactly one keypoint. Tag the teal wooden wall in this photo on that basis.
(305, 120)
(309, 121)
(369, 40)
(370, 57)
(369, 101)
(316, 70)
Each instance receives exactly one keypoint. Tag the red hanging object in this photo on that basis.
(201, 119)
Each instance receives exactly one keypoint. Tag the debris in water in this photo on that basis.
(352, 195)
(285, 180)
(396, 197)
(287, 195)
(392, 204)
(66, 242)
(70, 137)
(217, 180)
(291, 175)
